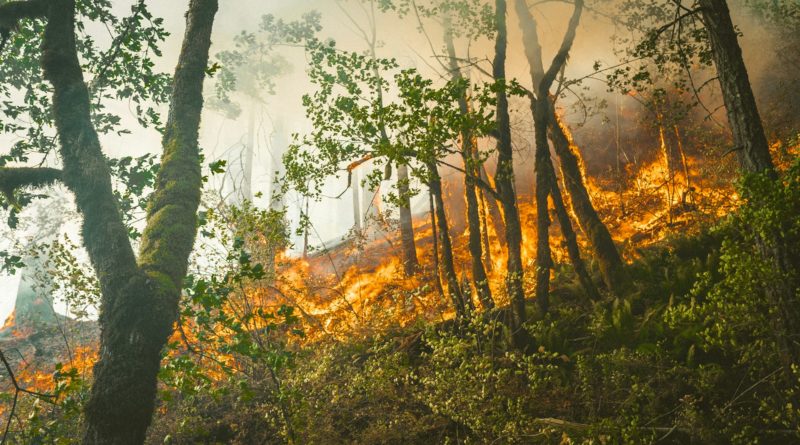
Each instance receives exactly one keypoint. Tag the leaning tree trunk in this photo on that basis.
(571, 240)
(750, 144)
(139, 303)
(445, 243)
(471, 165)
(504, 178)
(603, 248)
(410, 262)
(546, 183)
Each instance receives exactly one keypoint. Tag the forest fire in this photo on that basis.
(400, 222)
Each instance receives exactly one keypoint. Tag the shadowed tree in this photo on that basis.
(140, 296)
(752, 149)
(505, 181)
(603, 248)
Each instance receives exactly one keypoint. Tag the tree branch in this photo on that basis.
(15, 178)
(563, 53)
(169, 236)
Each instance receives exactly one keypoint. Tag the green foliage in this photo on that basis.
(354, 119)
(687, 356)
(135, 181)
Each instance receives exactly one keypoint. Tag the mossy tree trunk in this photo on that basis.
(139, 303)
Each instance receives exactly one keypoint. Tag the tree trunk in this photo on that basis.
(471, 164)
(445, 244)
(410, 262)
(749, 138)
(356, 185)
(435, 241)
(603, 248)
(752, 150)
(544, 181)
(484, 220)
(504, 178)
(669, 177)
(571, 241)
(139, 301)
(605, 251)
(493, 209)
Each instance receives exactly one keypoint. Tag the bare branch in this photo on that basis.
(563, 53)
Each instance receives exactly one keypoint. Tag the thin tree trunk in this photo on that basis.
(605, 251)
(410, 262)
(684, 162)
(445, 244)
(479, 278)
(571, 240)
(435, 240)
(493, 209)
(603, 248)
(484, 220)
(504, 178)
(544, 181)
(669, 180)
(356, 185)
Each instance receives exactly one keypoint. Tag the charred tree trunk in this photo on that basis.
(410, 262)
(752, 150)
(471, 165)
(445, 244)
(505, 184)
(603, 248)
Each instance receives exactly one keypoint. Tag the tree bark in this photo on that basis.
(468, 154)
(544, 181)
(139, 301)
(749, 138)
(504, 178)
(435, 242)
(410, 261)
(571, 241)
(445, 243)
(485, 240)
(603, 248)
(753, 154)
(493, 209)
